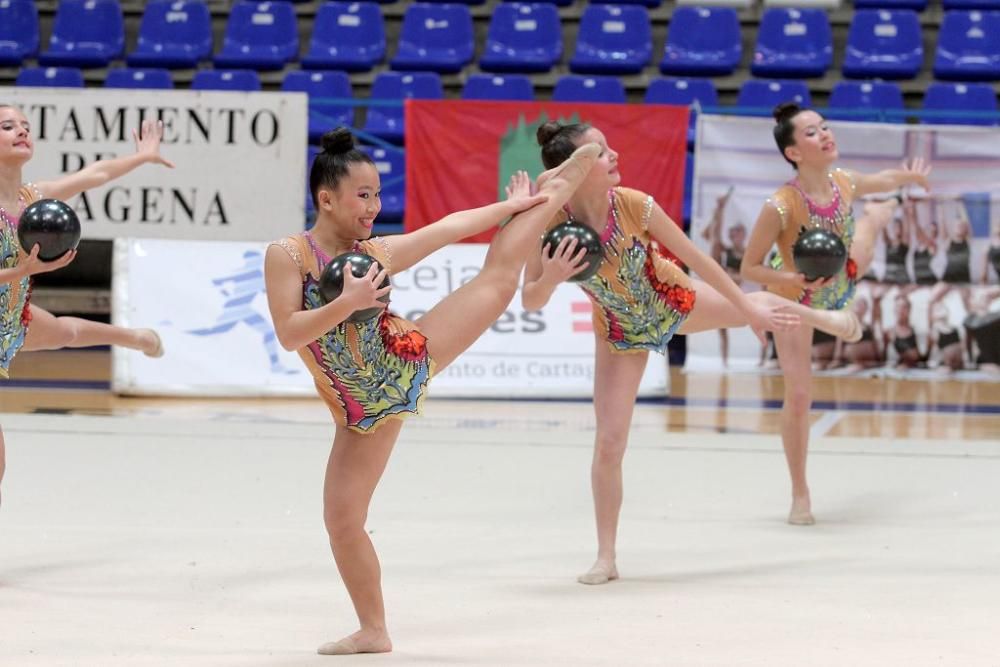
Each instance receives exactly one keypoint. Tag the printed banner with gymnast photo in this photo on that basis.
(930, 302)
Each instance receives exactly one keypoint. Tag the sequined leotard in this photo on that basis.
(798, 213)
(15, 310)
(639, 297)
(366, 372)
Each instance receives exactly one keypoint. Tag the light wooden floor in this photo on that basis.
(138, 532)
(195, 538)
(741, 403)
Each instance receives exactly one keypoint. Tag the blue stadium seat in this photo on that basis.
(576, 88)
(613, 39)
(702, 41)
(557, 3)
(683, 92)
(173, 34)
(18, 32)
(943, 97)
(509, 87)
(884, 44)
(523, 38)
(259, 36)
(86, 33)
(347, 36)
(970, 4)
(435, 37)
(130, 77)
(391, 165)
(968, 47)
(648, 3)
(793, 43)
(386, 122)
(915, 5)
(865, 101)
(50, 77)
(217, 79)
(765, 95)
(323, 115)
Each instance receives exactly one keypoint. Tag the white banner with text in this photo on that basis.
(207, 302)
(240, 160)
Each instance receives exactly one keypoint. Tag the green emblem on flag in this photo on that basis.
(519, 149)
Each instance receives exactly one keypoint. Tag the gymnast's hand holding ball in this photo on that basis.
(365, 283)
(49, 232)
(31, 264)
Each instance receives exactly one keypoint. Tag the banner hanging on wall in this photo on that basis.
(460, 154)
(214, 322)
(930, 300)
(240, 159)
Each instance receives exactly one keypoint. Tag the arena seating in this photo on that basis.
(864, 100)
(19, 32)
(173, 34)
(567, 50)
(523, 38)
(322, 84)
(578, 88)
(498, 87)
(86, 33)
(149, 78)
(793, 43)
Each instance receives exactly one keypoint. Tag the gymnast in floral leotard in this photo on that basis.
(24, 326)
(818, 196)
(640, 300)
(374, 373)
(365, 371)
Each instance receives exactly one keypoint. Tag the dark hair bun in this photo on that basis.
(337, 141)
(785, 111)
(546, 131)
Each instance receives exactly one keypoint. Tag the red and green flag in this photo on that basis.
(460, 154)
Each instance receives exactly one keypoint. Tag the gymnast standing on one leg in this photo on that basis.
(819, 196)
(374, 372)
(25, 326)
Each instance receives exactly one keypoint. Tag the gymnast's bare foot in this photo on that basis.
(801, 512)
(601, 573)
(152, 345)
(362, 641)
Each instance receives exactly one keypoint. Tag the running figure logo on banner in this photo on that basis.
(240, 289)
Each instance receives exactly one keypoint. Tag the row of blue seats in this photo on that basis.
(917, 5)
(331, 95)
(612, 39)
(880, 43)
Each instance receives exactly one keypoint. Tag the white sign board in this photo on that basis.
(207, 302)
(241, 160)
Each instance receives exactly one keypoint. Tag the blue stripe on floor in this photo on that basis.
(775, 404)
(849, 406)
(677, 401)
(80, 385)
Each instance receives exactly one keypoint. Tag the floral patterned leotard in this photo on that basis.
(366, 372)
(15, 309)
(640, 298)
(799, 213)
